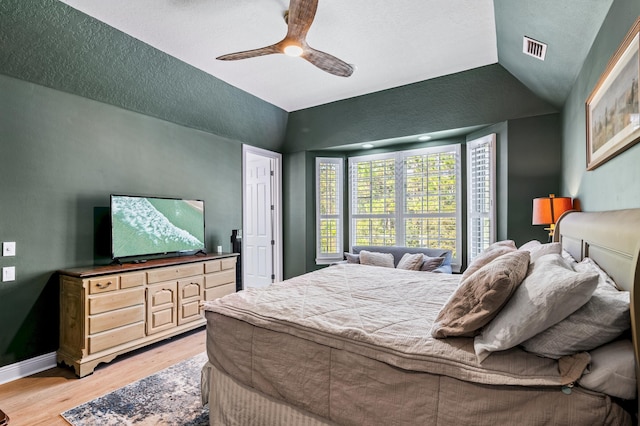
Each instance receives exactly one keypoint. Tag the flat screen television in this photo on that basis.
(142, 226)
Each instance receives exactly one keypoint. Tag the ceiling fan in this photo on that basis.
(299, 19)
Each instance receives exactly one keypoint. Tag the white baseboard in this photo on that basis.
(27, 367)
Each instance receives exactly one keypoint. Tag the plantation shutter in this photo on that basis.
(329, 216)
(481, 194)
(431, 195)
(373, 200)
(407, 198)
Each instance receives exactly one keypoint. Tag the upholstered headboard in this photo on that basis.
(612, 240)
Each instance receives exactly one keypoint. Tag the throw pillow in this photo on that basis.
(551, 291)
(480, 297)
(603, 318)
(352, 258)
(431, 263)
(376, 259)
(411, 262)
(493, 251)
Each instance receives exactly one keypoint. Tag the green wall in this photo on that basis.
(54, 45)
(616, 183)
(61, 156)
(481, 96)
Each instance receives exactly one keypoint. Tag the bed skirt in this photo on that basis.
(233, 404)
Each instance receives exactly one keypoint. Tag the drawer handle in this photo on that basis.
(103, 286)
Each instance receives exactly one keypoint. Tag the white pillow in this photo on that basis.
(612, 370)
(603, 318)
(537, 249)
(568, 257)
(376, 259)
(531, 245)
(550, 292)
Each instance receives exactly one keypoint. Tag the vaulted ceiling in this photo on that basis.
(389, 43)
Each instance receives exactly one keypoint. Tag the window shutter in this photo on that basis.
(481, 194)
(373, 200)
(329, 212)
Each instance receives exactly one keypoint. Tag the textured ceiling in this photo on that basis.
(390, 43)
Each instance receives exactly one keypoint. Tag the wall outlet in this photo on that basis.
(9, 273)
(9, 249)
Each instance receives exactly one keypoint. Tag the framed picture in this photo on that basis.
(613, 110)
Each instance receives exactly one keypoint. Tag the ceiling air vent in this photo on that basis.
(534, 48)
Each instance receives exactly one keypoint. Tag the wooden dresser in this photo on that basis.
(109, 310)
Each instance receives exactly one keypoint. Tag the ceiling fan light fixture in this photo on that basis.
(293, 50)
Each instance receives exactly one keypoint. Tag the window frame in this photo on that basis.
(472, 249)
(330, 257)
(400, 193)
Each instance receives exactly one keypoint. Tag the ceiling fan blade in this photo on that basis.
(301, 14)
(268, 50)
(328, 63)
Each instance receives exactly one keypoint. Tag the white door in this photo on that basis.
(260, 218)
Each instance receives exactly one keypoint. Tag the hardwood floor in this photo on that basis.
(39, 399)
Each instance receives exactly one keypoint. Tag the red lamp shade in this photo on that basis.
(547, 210)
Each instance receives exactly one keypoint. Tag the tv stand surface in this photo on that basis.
(108, 310)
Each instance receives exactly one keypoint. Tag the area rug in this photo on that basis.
(169, 397)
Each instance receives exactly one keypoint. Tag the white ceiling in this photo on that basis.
(391, 43)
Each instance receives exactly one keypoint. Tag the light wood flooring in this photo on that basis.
(39, 399)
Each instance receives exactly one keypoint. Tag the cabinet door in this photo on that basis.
(189, 297)
(162, 306)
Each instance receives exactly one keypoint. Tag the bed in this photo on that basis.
(355, 345)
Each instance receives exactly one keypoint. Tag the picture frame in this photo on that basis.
(613, 108)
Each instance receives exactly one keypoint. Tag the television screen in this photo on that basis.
(152, 225)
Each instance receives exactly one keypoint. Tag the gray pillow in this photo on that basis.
(551, 291)
(431, 263)
(376, 259)
(603, 318)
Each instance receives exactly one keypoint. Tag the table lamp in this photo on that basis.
(547, 210)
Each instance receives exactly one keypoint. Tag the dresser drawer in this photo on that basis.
(115, 337)
(131, 280)
(114, 319)
(173, 273)
(219, 291)
(219, 265)
(228, 262)
(116, 300)
(220, 278)
(104, 284)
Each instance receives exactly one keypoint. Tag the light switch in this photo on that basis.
(9, 273)
(9, 249)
